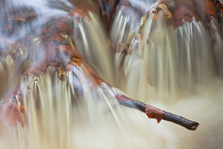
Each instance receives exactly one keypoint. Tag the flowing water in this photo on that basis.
(176, 68)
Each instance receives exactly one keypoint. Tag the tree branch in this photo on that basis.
(153, 112)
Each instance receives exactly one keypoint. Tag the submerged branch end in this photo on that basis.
(156, 113)
(153, 112)
(191, 125)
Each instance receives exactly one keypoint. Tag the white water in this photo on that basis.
(96, 121)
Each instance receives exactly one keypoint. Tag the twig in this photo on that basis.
(153, 112)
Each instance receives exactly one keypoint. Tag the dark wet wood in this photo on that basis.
(156, 113)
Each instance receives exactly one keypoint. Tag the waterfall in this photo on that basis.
(62, 63)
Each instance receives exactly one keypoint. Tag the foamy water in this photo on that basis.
(174, 69)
